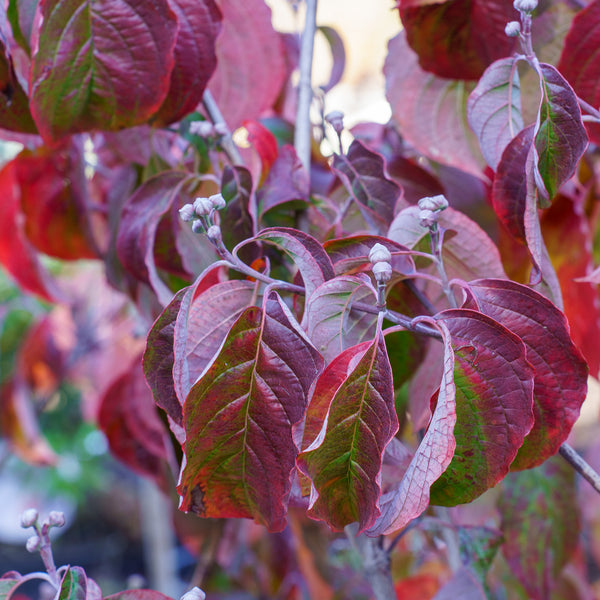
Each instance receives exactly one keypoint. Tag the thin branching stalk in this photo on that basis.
(217, 118)
(580, 465)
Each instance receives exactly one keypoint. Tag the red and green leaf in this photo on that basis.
(560, 380)
(494, 398)
(239, 417)
(73, 585)
(344, 462)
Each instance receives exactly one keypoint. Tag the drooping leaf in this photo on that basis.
(457, 39)
(580, 59)
(494, 400)
(14, 103)
(205, 318)
(540, 523)
(362, 172)
(17, 255)
(199, 23)
(494, 109)
(560, 137)
(344, 462)
(135, 433)
(159, 359)
(332, 324)
(338, 54)
(410, 496)
(430, 111)
(84, 77)
(568, 238)
(250, 59)
(264, 142)
(239, 416)
(286, 182)
(54, 201)
(237, 219)
(149, 215)
(21, 15)
(560, 381)
(306, 252)
(73, 585)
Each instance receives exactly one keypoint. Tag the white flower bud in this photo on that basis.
(427, 218)
(512, 29)
(382, 272)
(187, 212)
(194, 594)
(33, 543)
(202, 206)
(202, 128)
(525, 6)
(217, 201)
(29, 518)
(433, 203)
(379, 253)
(221, 129)
(336, 119)
(197, 226)
(214, 233)
(56, 518)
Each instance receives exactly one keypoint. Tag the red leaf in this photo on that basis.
(494, 109)
(264, 142)
(560, 380)
(199, 23)
(239, 416)
(494, 398)
(580, 58)
(54, 201)
(135, 433)
(430, 111)
(344, 461)
(540, 523)
(86, 77)
(17, 255)
(250, 59)
(457, 39)
(409, 497)
(22, 15)
(362, 173)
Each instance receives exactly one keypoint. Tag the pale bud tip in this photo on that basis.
(187, 212)
(217, 201)
(197, 226)
(512, 29)
(525, 6)
(29, 518)
(433, 203)
(379, 253)
(336, 119)
(33, 543)
(56, 518)
(194, 594)
(202, 128)
(382, 272)
(202, 206)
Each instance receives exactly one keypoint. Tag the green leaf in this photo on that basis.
(73, 585)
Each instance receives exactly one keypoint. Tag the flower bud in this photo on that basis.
(29, 518)
(194, 594)
(197, 226)
(382, 272)
(187, 212)
(433, 203)
(512, 29)
(214, 233)
(33, 543)
(203, 206)
(379, 253)
(56, 518)
(202, 128)
(428, 218)
(217, 201)
(525, 6)
(336, 119)
(221, 129)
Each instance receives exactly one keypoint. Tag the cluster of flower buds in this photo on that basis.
(201, 211)
(381, 259)
(430, 209)
(206, 129)
(30, 519)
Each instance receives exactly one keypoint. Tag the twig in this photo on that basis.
(589, 108)
(580, 465)
(217, 118)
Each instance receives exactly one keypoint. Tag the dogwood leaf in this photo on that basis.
(344, 462)
(73, 585)
(560, 380)
(239, 416)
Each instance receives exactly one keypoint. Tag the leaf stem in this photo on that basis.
(594, 112)
(580, 465)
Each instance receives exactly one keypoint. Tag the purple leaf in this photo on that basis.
(344, 462)
(560, 381)
(237, 222)
(430, 111)
(332, 325)
(84, 77)
(540, 523)
(239, 416)
(21, 15)
(494, 109)
(494, 398)
(195, 59)
(410, 496)
(362, 173)
(338, 54)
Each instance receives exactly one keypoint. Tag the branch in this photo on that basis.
(217, 118)
(580, 465)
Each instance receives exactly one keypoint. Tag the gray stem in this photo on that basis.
(217, 118)
(582, 467)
